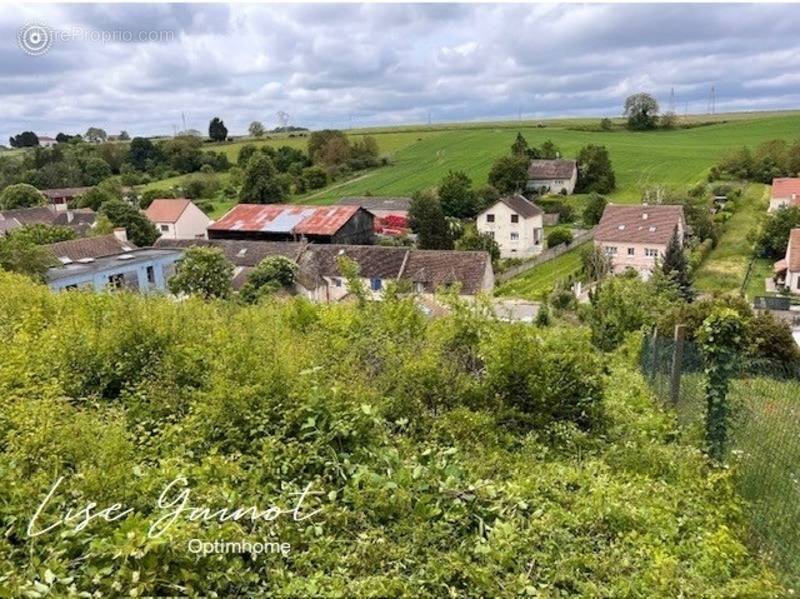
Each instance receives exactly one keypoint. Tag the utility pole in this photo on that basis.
(712, 100)
(429, 117)
(672, 100)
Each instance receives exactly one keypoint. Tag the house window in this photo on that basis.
(375, 284)
(164, 228)
(151, 275)
(610, 250)
(490, 218)
(116, 281)
(631, 251)
(537, 236)
(515, 218)
(490, 233)
(515, 237)
(419, 286)
(650, 252)
(337, 282)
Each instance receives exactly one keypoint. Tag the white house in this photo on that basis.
(178, 219)
(635, 236)
(516, 225)
(46, 142)
(785, 192)
(552, 176)
(787, 271)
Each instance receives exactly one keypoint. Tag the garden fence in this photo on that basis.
(762, 444)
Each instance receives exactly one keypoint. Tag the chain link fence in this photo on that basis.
(763, 436)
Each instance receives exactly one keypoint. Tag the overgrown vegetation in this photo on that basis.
(455, 455)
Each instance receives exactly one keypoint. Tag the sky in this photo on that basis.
(343, 65)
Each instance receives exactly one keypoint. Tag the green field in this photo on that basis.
(538, 281)
(674, 158)
(725, 268)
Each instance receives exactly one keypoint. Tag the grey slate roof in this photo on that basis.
(381, 204)
(544, 170)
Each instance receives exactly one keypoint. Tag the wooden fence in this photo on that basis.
(545, 256)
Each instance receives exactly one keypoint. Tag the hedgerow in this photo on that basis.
(452, 457)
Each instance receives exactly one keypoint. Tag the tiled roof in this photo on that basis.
(166, 210)
(551, 169)
(785, 187)
(793, 251)
(81, 220)
(374, 261)
(89, 247)
(65, 192)
(239, 253)
(520, 205)
(434, 268)
(286, 218)
(638, 223)
(30, 216)
(380, 204)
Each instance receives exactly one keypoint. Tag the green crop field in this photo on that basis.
(674, 158)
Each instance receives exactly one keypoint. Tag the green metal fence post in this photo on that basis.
(677, 364)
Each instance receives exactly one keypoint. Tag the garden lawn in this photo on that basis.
(725, 268)
(536, 283)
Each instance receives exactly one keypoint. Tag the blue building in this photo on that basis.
(144, 270)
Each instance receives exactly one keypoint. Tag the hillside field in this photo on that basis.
(422, 156)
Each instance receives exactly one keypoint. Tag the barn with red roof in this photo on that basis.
(293, 222)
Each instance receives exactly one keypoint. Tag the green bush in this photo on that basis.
(558, 236)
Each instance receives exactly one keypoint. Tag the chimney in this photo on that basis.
(644, 215)
(121, 234)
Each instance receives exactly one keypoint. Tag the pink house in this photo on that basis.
(636, 236)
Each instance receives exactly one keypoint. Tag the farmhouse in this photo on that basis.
(785, 192)
(292, 222)
(787, 271)
(319, 277)
(634, 236)
(79, 220)
(75, 250)
(59, 197)
(516, 224)
(391, 213)
(178, 218)
(552, 176)
(47, 142)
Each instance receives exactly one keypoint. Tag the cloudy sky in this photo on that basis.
(333, 65)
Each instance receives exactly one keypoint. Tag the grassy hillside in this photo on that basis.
(680, 157)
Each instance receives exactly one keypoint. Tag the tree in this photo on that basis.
(595, 172)
(143, 153)
(520, 146)
(261, 184)
(256, 129)
(509, 174)
(139, 229)
(94, 198)
(457, 196)
(606, 124)
(593, 211)
(204, 272)
(642, 111)
(549, 150)
(95, 135)
(669, 120)
(21, 255)
(26, 139)
(315, 177)
(427, 220)
(479, 242)
(329, 146)
(123, 135)
(95, 170)
(42, 234)
(21, 195)
(269, 275)
(774, 237)
(676, 267)
(217, 130)
(596, 264)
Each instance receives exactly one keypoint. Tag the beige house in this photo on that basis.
(785, 192)
(516, 224)
(552, 176)
(636, 236)
(787, 271)
(178, 219)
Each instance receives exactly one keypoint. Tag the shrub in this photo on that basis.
(21, 195)
(558, 236)
(204, 272)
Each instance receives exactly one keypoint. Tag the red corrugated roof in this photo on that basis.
(288, 218)
(166, 210)
(785, 187)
